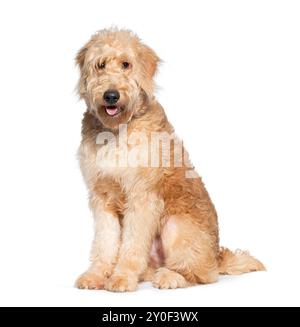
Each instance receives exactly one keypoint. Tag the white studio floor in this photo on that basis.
(257, 289)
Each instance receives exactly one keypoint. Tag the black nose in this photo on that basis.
(111, 96)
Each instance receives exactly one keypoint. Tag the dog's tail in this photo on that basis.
(237, 262)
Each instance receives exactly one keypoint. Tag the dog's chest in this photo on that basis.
(116, 158)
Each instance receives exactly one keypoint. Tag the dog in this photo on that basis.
(154, 220)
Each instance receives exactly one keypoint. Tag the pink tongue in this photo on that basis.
(111, 111)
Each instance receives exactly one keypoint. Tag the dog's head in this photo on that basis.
(116, 76)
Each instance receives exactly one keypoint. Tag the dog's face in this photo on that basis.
(116, 76)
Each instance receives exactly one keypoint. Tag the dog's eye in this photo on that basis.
(125, 64)
(101, 65)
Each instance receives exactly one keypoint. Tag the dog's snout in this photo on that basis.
(111, 96)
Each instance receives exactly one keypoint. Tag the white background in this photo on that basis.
(230, 84)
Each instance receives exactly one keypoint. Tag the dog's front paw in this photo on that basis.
(90, 281)
(121, 283)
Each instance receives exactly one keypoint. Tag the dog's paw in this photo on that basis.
(166, 279)
(90, 281)
(121, 283)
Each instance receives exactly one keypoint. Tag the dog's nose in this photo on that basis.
(111, 96)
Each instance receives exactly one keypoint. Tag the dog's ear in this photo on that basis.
(80, 57)
(149, 61)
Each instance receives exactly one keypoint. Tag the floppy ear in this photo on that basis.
(149, 62)
(80, 57)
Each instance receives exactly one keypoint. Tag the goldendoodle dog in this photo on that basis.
(154, 220)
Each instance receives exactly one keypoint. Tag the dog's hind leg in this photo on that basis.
(189, 253)
(165, 278)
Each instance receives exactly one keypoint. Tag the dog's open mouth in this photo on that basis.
(112, 110)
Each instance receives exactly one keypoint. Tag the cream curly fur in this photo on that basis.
(151, 223)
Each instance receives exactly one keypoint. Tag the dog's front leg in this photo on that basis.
(140, 224)
(104, 248)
